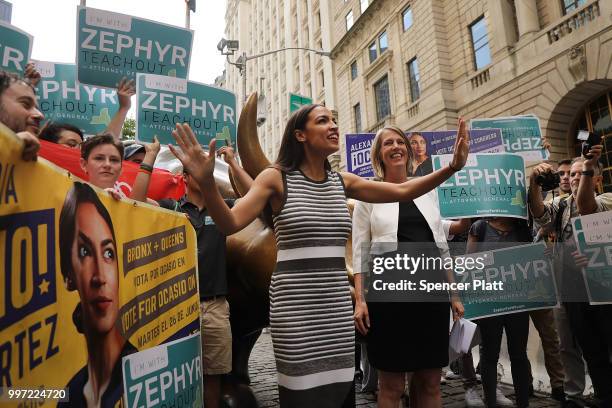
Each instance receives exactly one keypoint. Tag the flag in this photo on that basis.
(164, 184)
(191, 4)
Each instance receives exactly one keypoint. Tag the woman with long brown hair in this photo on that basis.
(311, 313)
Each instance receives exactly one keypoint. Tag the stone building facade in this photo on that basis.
(439, 59)
(267, 25)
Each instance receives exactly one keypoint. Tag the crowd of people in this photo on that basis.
(312, 315)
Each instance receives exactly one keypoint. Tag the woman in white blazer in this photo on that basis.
(403, 338)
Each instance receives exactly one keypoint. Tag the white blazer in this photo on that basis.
(374, 223)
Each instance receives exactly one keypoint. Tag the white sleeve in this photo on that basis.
(361, 232)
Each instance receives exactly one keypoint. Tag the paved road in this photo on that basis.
(262, 370)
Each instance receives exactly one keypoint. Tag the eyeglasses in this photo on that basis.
(573, 174)
(563, 173)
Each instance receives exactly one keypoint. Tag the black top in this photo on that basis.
(211, 246)
(411, 225)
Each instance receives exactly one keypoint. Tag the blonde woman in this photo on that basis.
(404, 338)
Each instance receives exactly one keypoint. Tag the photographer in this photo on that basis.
(587, 323)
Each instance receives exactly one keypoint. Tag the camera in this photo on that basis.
(589, 139)
(548, 181)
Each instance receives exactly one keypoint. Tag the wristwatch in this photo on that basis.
(589, 173)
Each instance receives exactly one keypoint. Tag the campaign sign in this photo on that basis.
(521, 134)
(436, 142)
(593, 234)
(443, 141)
(166, 375)
(490, 185)
(111, 46)
(15, 48)
(358, 147)
(165, 101)
(63, 99)
(84, 275)
(513, 280)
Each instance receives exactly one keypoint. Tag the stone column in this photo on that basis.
(502, 18)
(527, 17)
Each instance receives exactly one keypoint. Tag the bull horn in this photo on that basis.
(253, 158)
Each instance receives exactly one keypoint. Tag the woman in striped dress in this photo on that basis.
(311, 314)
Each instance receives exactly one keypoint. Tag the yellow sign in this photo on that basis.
(85, 280)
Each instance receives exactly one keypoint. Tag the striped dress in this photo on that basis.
(311, 313)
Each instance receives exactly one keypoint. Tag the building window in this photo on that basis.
(480, 43)
(349, 20)
(571, 5)
(373, 51)
(354, 71)
(357, 114)
(364, 5)
(322, 79)
(383, 102)
(383, 44)
(378, 47)
(407, 18)
(597, 118)
(414, 79)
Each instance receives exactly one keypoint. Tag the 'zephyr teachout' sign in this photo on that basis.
(15, 48)
(163, 101)
(112, 45)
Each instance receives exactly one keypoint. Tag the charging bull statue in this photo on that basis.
(251, 255)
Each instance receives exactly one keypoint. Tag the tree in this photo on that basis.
(129, 129)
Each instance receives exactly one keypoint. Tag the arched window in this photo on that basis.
(597, 118)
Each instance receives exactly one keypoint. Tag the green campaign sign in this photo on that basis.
(62, 99)
(297, 101)
(593, 234)
(521, 134)
(15, 48)
(513, 280)
(162, 102)
(490, 185)
(167, 375)
(112, 45)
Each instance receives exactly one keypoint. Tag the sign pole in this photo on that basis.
(187, 15)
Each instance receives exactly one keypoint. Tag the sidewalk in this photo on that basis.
(262, 370)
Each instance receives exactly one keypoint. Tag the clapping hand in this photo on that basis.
(196, 161)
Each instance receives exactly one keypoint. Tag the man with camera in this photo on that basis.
(588, 323)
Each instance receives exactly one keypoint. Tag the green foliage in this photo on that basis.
(129, 129)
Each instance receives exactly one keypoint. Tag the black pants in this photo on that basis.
(517, 333)
(592, 327)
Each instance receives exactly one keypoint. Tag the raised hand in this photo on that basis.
(31, 74)
(196, 161)
(152, 150)
(462, 146)
(125, 90)
(594, 153)
(227, 153)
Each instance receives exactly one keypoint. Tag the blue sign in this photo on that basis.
(512, 280)
(490, 185)
(111, 46)
(167, 375)
(62, 99)
(15, 48)
(593, 234)
(358, 148)
(162, 102)
(522, 135)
